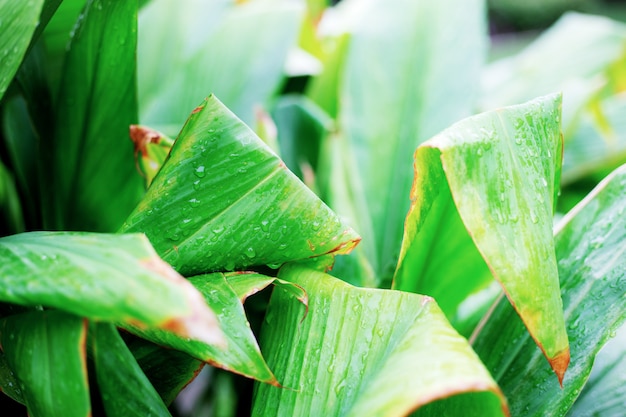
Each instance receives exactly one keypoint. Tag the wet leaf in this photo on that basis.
(125, 389)
(46, 352)
(104, 277)
(491, 180)
(590, 245)
(17, 26)
(223, 201)
(365, 352)
(95, 184)
(243, 355)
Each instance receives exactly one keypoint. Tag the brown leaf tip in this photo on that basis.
(142, 136)
(559, 364)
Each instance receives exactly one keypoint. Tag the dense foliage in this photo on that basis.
(411, 228)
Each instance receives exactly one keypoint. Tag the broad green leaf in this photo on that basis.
(400, 85)
(18, 22)
(46, 352)
(341, 189)
(224, 201)
(491, 178)
(605, 392)
(590, 245)
(572, 56)
(104, 277)
(243, 355)
(168, 370)
(96, 184)
(365, 352)
(192, 49)
(125, 389)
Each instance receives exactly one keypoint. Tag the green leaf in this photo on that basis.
(103, 277)
(572, 56)
(10, 205)
(125, 389)
(301, 126)
(46, 352)
(190, 50)
(395, 96)
(595, 149)
(342, 190)
(605, 392)
(243, 355)
(224, 201)
(500, 170)
(96, 184)
(365, 352)
(17, 26)
(168, 370)
(590, 245)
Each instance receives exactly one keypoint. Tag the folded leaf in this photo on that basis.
(19, 21)
(492, 178)
(243, 355)
(46, 352)
(104, 277)
(365, 352)
(125, 389)
(223, 200)
(590, 245)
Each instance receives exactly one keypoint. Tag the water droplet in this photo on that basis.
(265, 225)
(502, 197)
(315, 225)
(479, 152)
(230, 265)
(282, 246)
(196, 185)
(194, 202)
(200, 171)
(533, 217)
(380, 332)
(250, 253)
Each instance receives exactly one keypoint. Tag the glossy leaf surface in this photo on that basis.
(125, 389)
(223, 201)
(499, 173)
(605, 391)
(95, 182)
(46, 352)
(17, 26)
(243, 355)
(590, 245)
(385, 123)
(236, 51)
(365, 352)
(104, 277)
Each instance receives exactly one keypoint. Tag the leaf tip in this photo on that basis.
(559, 364)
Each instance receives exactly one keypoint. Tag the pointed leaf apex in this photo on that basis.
(559, 364)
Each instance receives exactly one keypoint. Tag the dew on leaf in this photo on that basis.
(200, 171)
